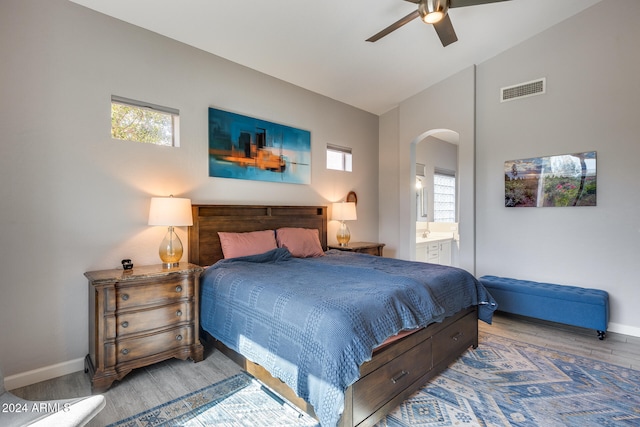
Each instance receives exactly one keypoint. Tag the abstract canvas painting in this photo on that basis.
(243, 147)
(563, 180)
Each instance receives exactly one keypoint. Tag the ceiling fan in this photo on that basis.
(433, 12)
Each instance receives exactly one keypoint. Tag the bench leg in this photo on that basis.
(601, 335)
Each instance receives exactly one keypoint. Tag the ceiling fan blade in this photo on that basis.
(445, 31)
(410, 17)
(464, 3)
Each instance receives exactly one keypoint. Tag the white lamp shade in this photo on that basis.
(170, 211)
(344, 211)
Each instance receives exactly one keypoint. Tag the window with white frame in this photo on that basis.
(338, 158)
(444, 196)
(139, 121)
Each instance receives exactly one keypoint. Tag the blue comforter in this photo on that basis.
(312, 322)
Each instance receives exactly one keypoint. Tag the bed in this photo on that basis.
(396, 348)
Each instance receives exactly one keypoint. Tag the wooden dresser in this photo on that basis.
(361, 247)
(141, 316)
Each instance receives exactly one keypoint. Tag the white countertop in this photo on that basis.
(434, 237)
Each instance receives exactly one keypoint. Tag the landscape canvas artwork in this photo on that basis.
(563, 180)
(243, 147)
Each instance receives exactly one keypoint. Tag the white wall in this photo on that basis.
(75, 200)
(592, 66)
(447, 105)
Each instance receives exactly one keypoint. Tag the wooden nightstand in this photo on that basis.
(139, 317)
(361, 247)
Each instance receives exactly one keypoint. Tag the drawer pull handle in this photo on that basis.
(178, 288)
(125, 324)
(179, 313)
(179, 338)
(125, 297)
(399, 376)
(456, 336)
(124, 351)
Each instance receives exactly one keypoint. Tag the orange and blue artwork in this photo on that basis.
(243, 147)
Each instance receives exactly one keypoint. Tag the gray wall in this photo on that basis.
(592, 66)
(75, 200)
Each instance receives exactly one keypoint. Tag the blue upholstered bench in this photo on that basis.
(571, 305)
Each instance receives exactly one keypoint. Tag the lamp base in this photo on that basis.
(344, 235)
(168, 265)
(170, 250)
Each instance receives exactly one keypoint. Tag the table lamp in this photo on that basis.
(343, 211)
(172, 212)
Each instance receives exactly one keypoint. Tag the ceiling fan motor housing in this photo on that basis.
(432, 11)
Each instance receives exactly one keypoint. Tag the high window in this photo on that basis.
(338, 158)
(139, 121)
(444, 196)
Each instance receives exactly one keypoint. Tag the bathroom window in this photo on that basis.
(338, 158)
(444, 196)
(139, 121)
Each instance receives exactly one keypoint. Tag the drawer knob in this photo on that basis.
(178, 288)
(179, 338)
(125, 297)
(456, 336)
(179, 313)
(399, 376)
(124, 351)
(125, 324)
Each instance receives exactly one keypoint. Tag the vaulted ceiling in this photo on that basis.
(320, 45)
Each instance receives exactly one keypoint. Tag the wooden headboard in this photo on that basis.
(204, 243)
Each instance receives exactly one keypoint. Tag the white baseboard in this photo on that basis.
(624, 329)
(42, 374)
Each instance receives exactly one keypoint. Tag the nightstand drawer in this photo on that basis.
(370, 251)
(369, 248)
(134, 322)
(136, 348)
(155, 292)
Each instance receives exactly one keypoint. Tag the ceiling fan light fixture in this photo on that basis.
(432, 11)
(433, 17)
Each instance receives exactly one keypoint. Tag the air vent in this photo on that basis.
(523, 90)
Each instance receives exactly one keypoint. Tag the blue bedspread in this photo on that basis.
(312, 322)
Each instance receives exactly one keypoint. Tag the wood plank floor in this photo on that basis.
(160, 383)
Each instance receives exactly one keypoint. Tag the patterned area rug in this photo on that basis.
(236, 401)
(501, 383)
(511, 383)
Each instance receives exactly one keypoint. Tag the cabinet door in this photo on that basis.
(444, 254)
(421, 252)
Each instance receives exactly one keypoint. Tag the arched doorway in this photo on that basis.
(435, 205)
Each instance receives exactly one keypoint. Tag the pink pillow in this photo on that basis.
(301, 242)
(242, 244)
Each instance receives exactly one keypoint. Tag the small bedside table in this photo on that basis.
(361, 247)
(141, 316)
